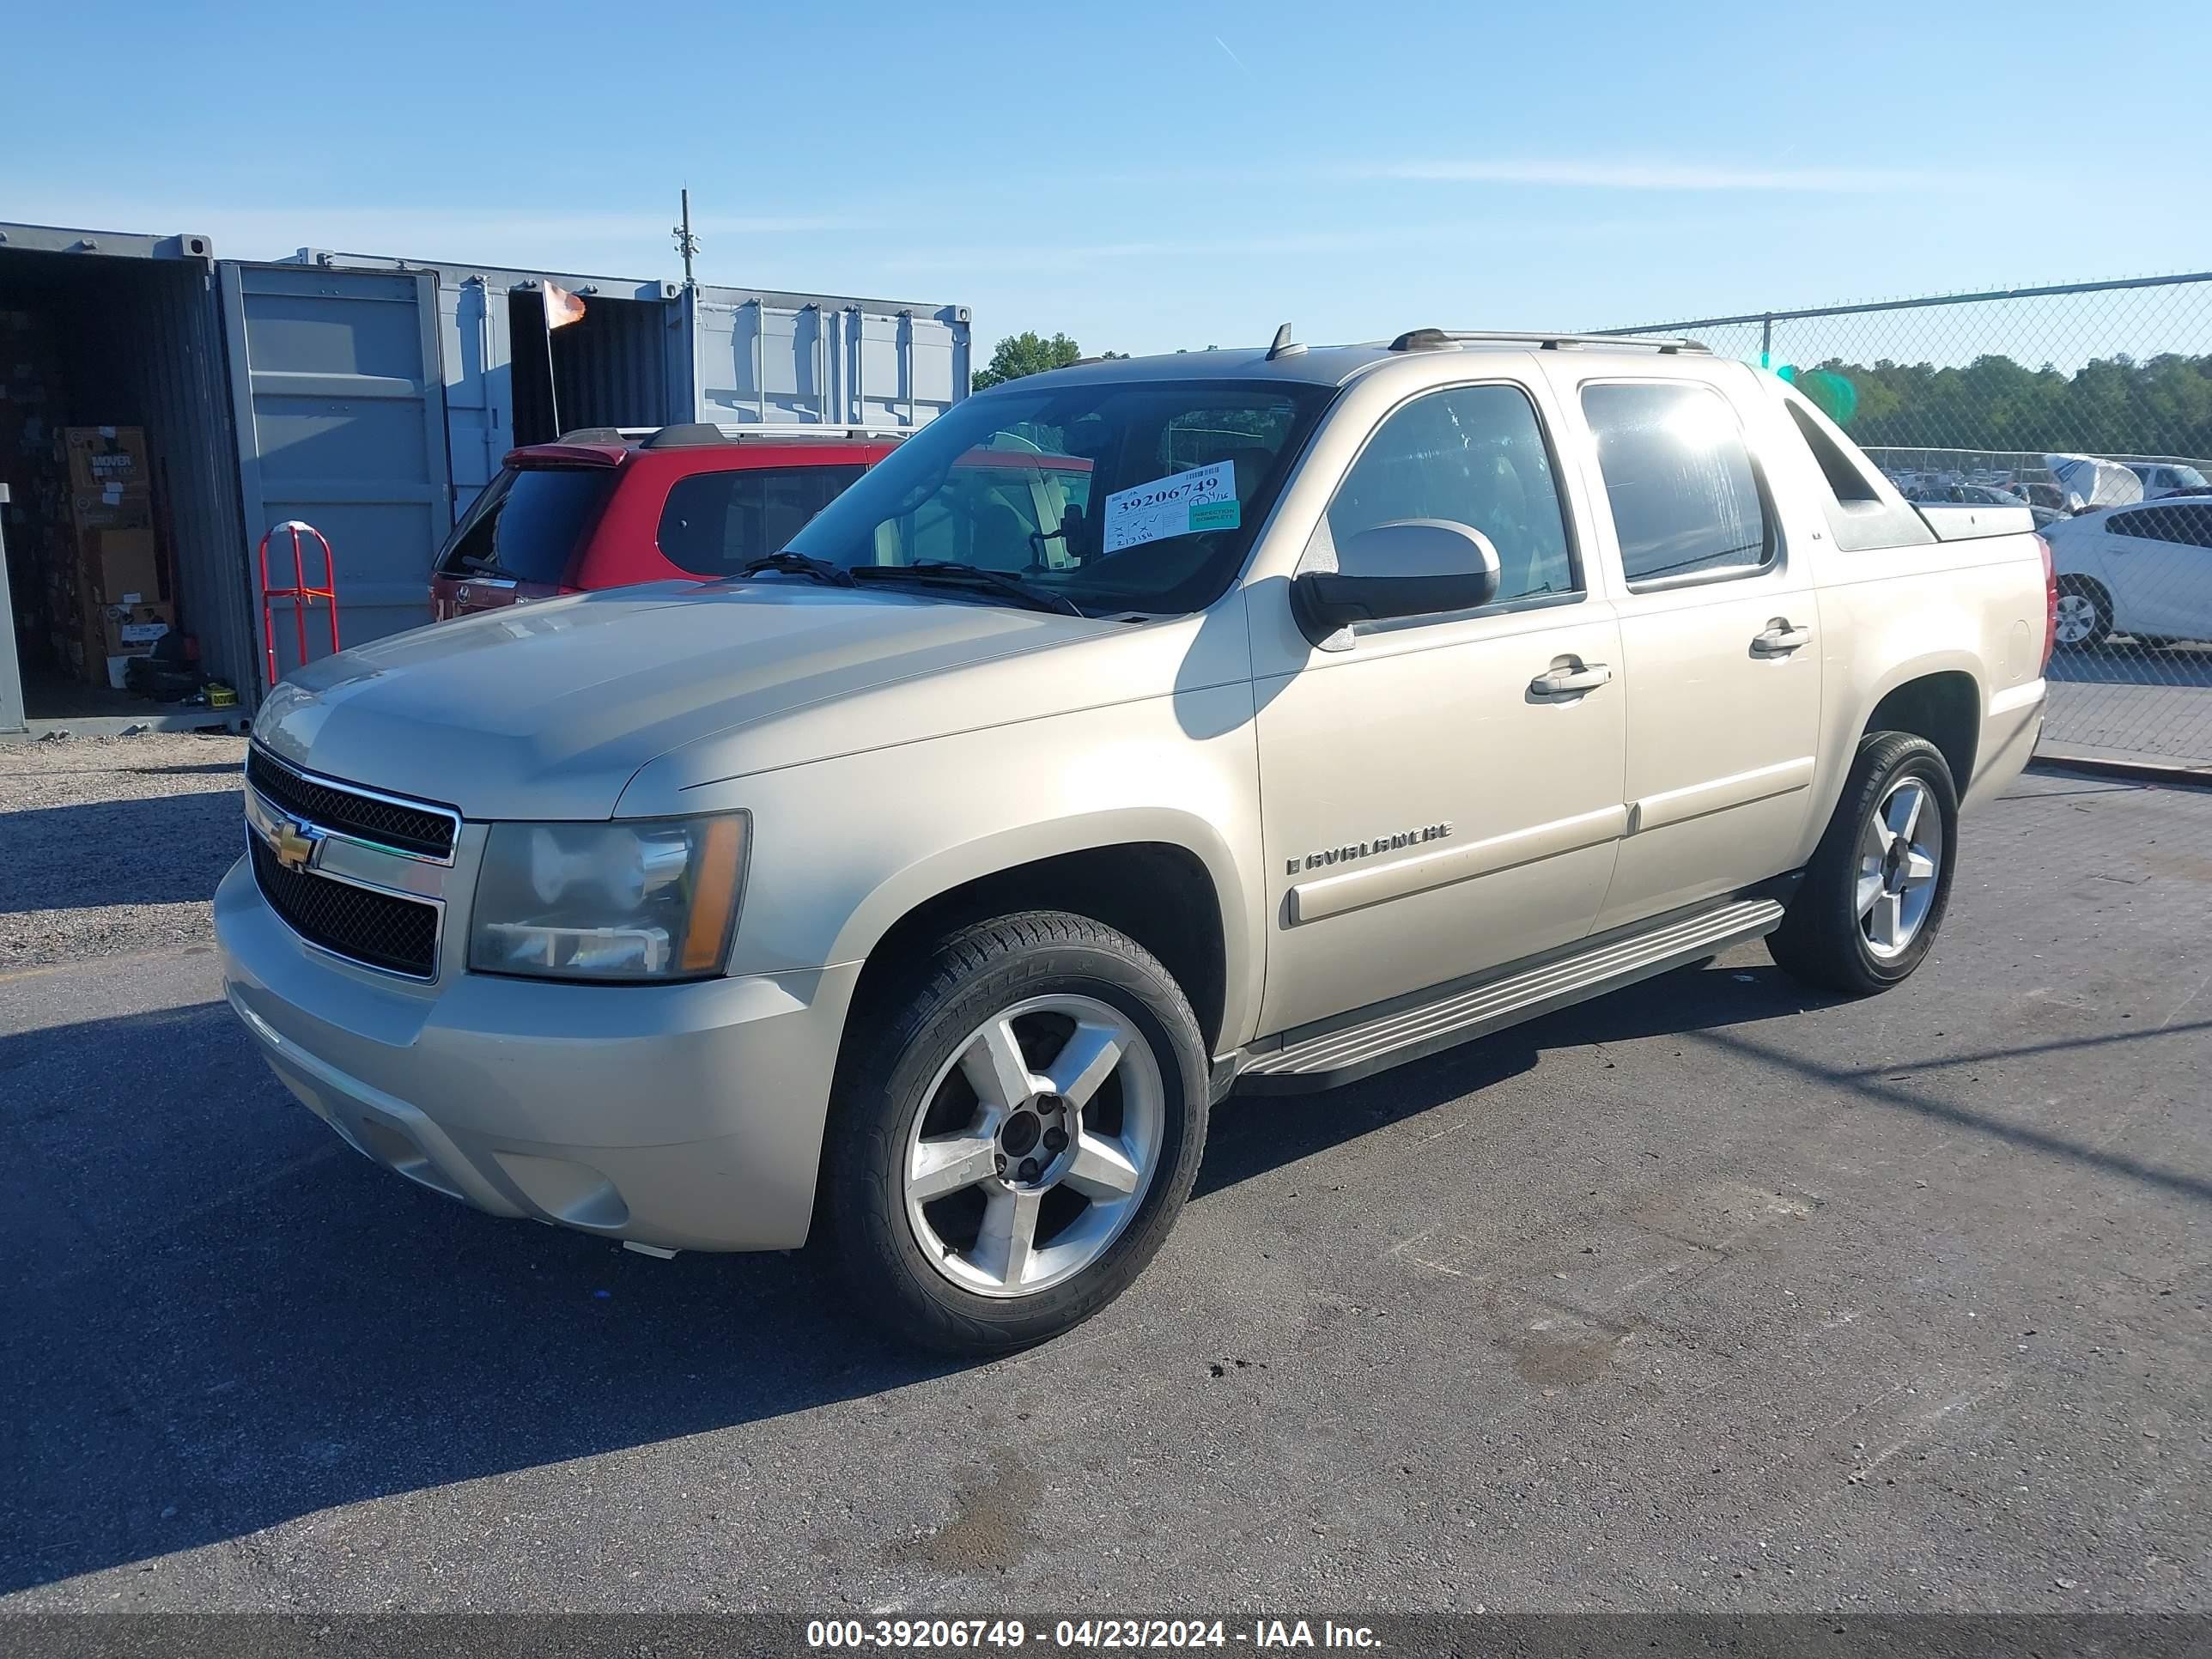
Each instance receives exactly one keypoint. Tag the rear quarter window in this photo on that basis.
(1863, 509)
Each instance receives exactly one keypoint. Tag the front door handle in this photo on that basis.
(1780, 640)
(1566, 682)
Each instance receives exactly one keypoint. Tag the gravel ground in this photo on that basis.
(114, 845)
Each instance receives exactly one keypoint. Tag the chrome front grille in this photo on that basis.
(352, 871)
(344, 809)
(383, 930)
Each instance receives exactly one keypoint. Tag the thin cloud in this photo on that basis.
(1031, 258)
(1233, 58)
(1641, 175)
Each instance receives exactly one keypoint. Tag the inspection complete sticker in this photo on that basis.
(1204, 498)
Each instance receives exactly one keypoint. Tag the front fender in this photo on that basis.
(927, 878)
(843, 848)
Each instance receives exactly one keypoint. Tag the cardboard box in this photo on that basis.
(120, 566)
(118, 631)
(107, 458)
(120, 509)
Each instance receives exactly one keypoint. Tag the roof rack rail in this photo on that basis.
(1430, 339)
(687, 434)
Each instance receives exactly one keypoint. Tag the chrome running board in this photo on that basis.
(1409, 1028)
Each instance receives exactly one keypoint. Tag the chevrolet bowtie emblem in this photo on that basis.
(294, 846)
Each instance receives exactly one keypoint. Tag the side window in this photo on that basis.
(2192, 523)
(715, 522)
(2149, 523)
(1475, 455)
(1685, 500)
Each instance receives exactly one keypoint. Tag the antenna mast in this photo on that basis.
(686, 243)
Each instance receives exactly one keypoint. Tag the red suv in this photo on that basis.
(605, 507)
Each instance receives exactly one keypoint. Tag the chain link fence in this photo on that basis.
(2091, 405)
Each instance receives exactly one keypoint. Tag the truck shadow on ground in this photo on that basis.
(223, 1320)
(1252, 1134)
(157, 849)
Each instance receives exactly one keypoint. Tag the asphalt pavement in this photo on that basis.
(2125, 701)
(1713, 1295)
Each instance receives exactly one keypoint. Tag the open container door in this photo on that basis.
(340, 406)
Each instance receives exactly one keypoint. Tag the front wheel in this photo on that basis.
(1872, 898)
(1012, 1144)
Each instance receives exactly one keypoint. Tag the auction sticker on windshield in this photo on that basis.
(1204, 498)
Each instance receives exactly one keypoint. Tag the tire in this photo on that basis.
(942, 1269)
(2087, 621)
(1830, 936)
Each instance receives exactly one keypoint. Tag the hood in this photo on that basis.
(2090, 481)
(547, 710)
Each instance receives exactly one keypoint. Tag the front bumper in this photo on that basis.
(686, 1116)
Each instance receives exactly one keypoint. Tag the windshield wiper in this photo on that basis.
(974, 575)
(798, 565)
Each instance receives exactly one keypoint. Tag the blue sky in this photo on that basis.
(1147, 177)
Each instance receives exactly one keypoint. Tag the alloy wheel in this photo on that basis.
(2077, 618)
(1036, 1146)
(1900, 854)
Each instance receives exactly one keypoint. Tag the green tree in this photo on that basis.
(2111, 406)
(1028, 353)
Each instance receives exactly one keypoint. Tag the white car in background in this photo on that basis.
(2161, 479)
(2144, 570)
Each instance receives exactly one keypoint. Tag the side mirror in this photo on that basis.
(1405, 568)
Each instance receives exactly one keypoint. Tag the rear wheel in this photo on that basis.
(2085, 612)
(1872, 898)
(1014, 1144)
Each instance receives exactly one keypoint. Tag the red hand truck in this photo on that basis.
(301, 595)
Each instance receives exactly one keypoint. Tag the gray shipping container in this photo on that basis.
(646, 353)
(374, 397)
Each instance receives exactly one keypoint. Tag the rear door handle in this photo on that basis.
(1569, 682)
(1780, 640)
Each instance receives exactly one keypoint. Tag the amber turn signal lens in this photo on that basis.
(714, 897)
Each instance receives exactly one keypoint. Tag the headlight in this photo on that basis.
(650, 899)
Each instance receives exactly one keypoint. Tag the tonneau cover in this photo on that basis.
(1965, 522)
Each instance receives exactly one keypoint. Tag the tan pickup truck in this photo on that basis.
(1256, 720)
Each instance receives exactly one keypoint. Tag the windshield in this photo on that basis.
(528, 524)
(1127, 496)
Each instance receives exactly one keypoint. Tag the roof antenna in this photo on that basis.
(686, 243)
(1284, 346)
